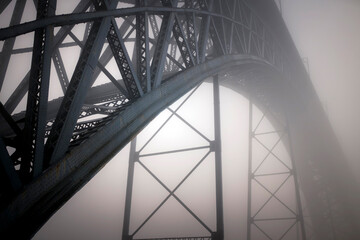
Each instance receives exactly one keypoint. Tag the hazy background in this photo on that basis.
(327, 35)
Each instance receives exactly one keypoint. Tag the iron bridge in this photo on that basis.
(162, 50)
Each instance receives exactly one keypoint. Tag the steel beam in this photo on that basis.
(102, 68)
(61, 132)
(142, 48)
(60, 70)
(107, 54)
(124, 63)
(204, 30)
(158, 62)
(64, 178)
(3, 5)
(300, 215)
(277, 53)
(192, 32)
(35, 117)
(10, 121)
(130, 179)
(219, 234)
(21, 89)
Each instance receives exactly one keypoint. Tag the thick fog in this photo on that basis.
(327, 35)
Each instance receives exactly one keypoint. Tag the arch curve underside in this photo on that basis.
(178, 45)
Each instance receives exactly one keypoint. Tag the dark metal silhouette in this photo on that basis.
(52, 148)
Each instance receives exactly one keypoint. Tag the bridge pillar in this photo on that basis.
(273, 210)
(214, 146)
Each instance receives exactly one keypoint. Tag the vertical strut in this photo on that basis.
(161, 47)
(297, 189)
(219, 235)
(62, 129)
(142, 48)
(255, 175)
(35, 118)
(20, 90)
(204, 30)
(130, 180)
(3, 5)
(60, 70)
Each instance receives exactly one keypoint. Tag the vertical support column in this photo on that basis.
(130, 180)
(219, 234)
(300, 216)
(142, 48)
(249, 217)
(257, 173)
(36, 107)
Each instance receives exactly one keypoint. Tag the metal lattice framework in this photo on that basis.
(162, 49)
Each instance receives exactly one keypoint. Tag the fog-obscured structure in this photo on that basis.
(153, 54)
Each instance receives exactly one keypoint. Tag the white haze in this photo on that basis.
(326, 33)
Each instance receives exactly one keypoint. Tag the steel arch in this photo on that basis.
(255, 38)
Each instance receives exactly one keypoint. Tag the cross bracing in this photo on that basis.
(161, 49)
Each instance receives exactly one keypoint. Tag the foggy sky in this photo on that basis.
(327, 33)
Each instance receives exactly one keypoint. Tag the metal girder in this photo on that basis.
(204, 30)
(62, 181)
(135, 158)
(180, 38)
(60, 70)
(61, 132)
(117, 45)
(154, 25)
(129, 187)
(102, 68)
(232, 11)
(35, 117)
(3, 5)
(107, 54)
(219, 28)
(10, 121)
(61, 20)
(192, 32)
(182, 43)
(215, 27)
(21, 89)
(219, 234)
(124, 63)
(142, 48)
(169, 65)
(245, 34)
(161, 47)
(249, 220)
(293, 217)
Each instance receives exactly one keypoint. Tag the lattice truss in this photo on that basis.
(122, 57)
(275, 210)
(65, 74)
(179, 151)
(274, 198)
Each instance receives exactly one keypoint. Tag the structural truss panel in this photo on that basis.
(52, 143)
